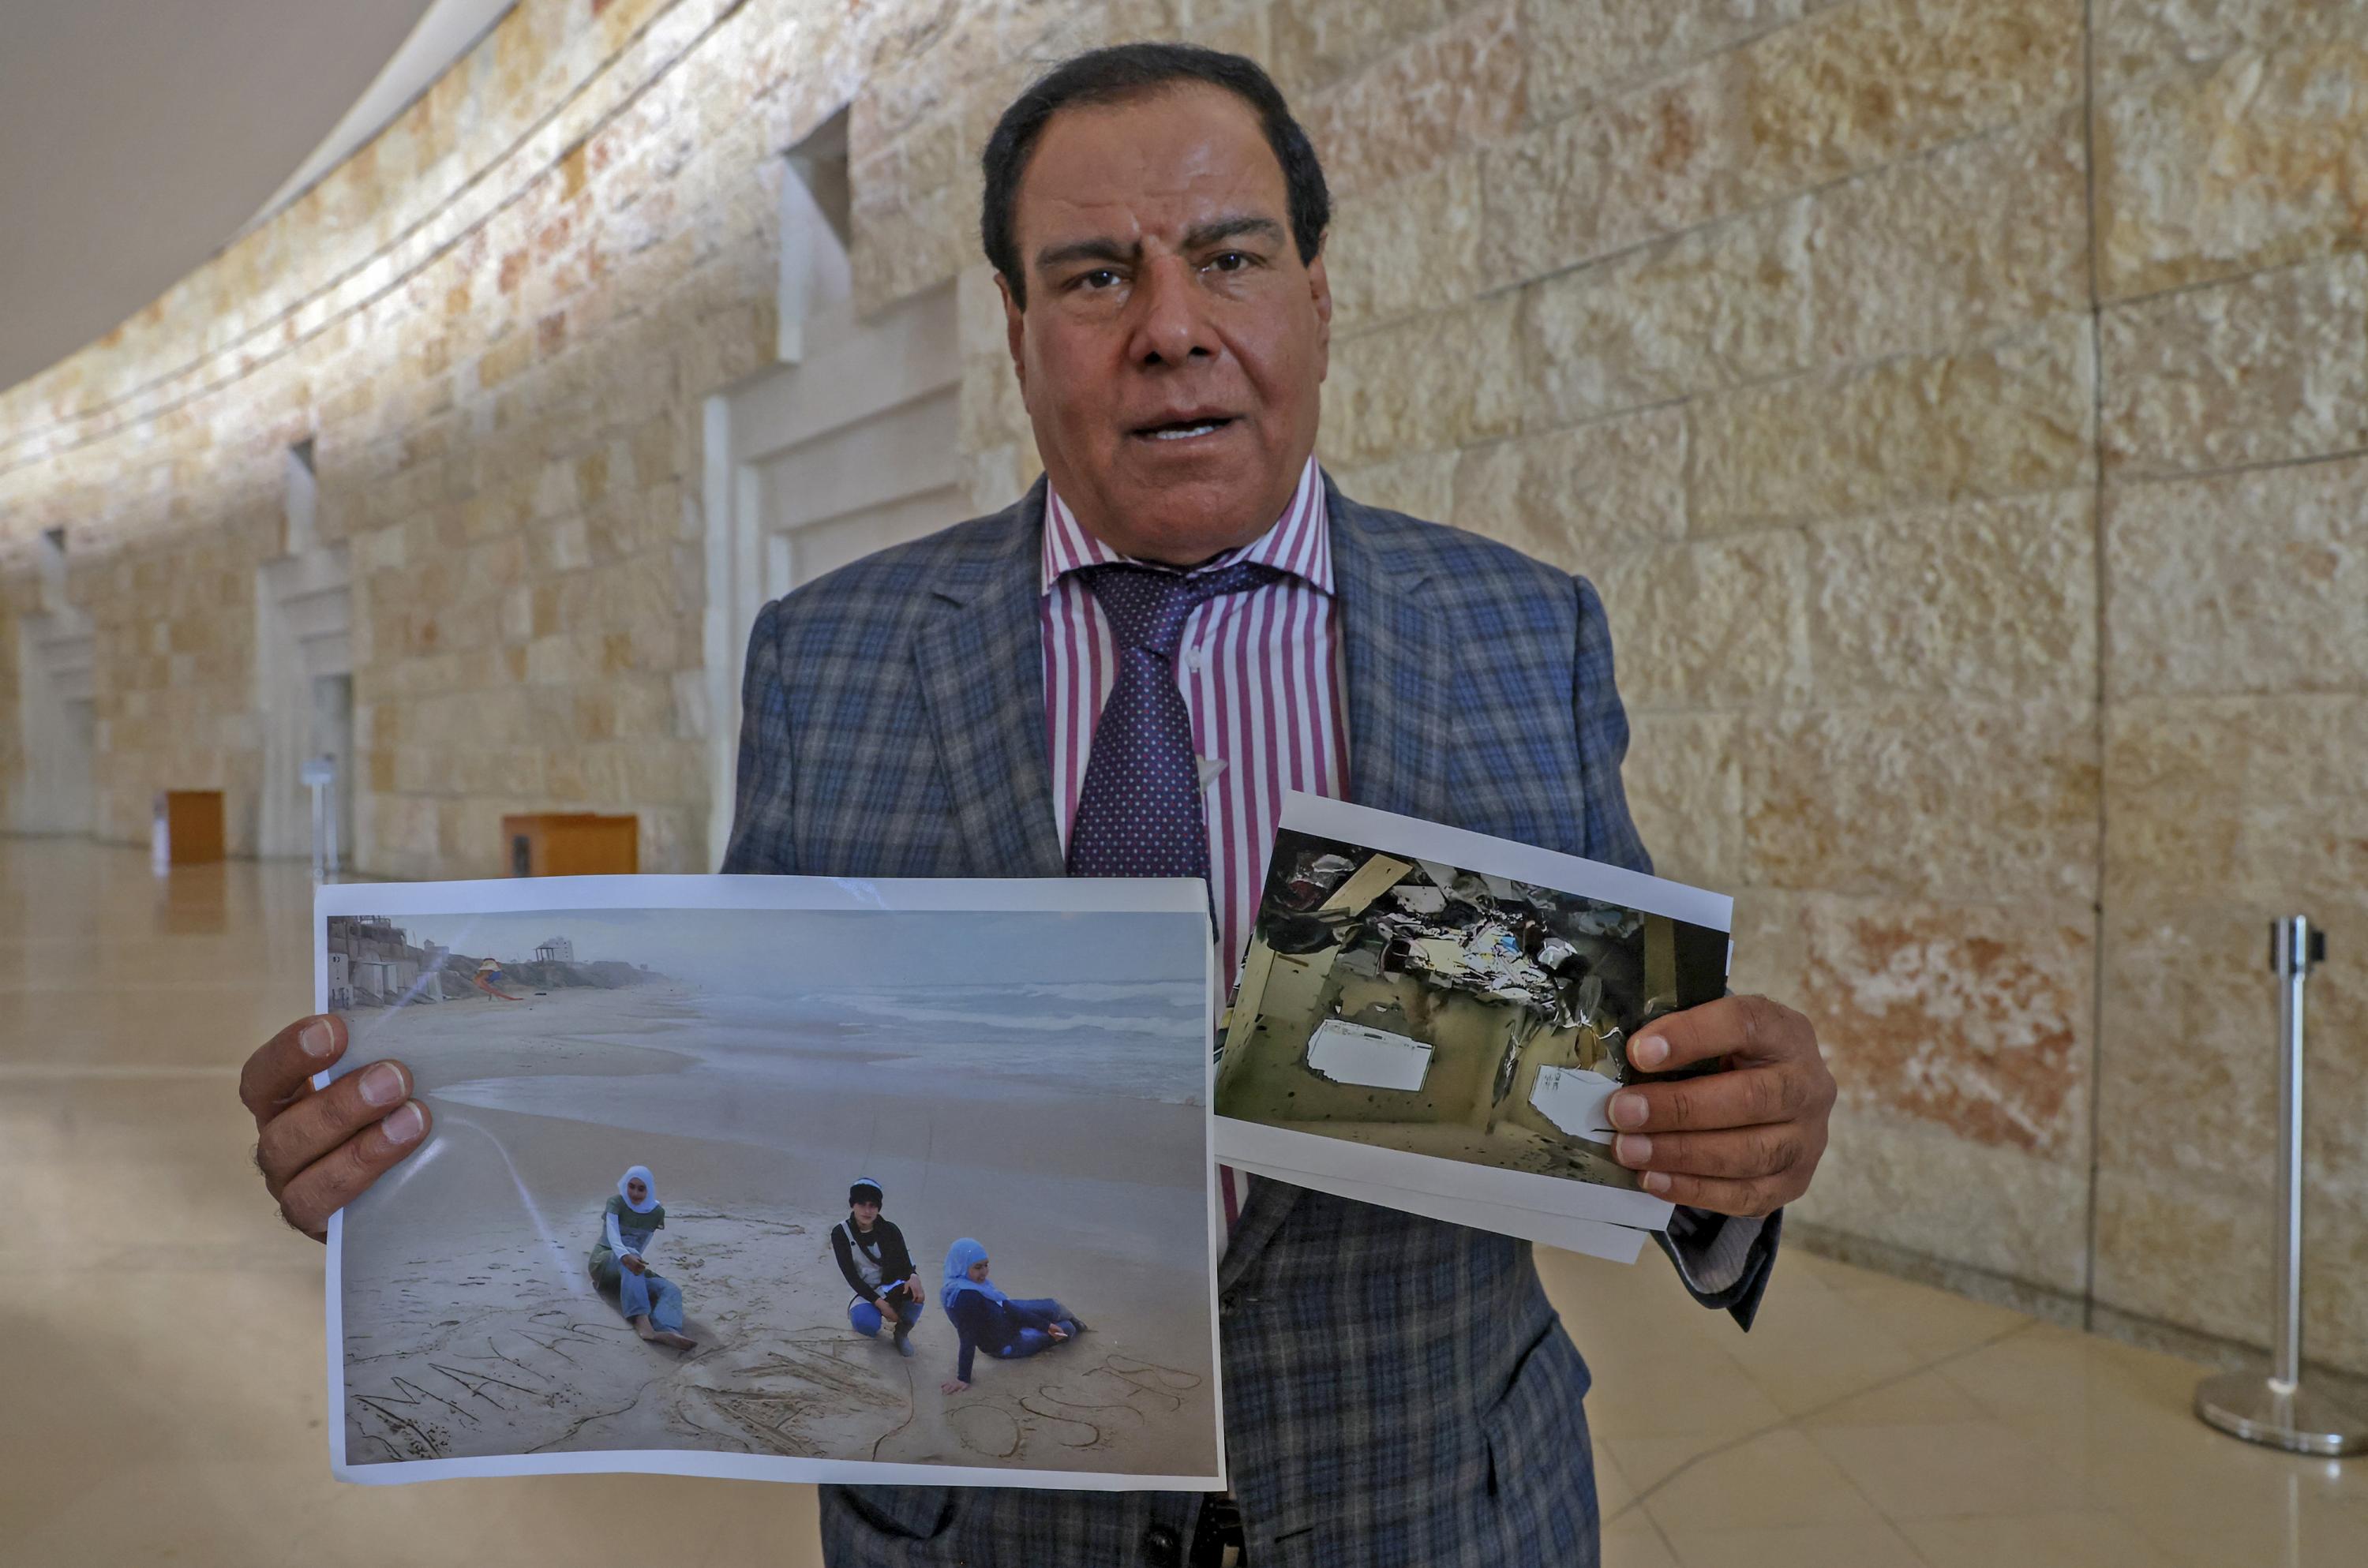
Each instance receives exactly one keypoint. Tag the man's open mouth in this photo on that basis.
(1184, 429)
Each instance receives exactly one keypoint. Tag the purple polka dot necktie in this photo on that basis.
(1139, 811)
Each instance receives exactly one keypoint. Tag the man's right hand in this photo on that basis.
(888, 1310)
(320, 1150)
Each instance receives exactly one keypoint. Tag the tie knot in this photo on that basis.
(1147, 607)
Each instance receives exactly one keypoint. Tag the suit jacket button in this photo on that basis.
(1161, 1546)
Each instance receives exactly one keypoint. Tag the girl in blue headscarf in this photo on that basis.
(989, 1319)
(628, 1226)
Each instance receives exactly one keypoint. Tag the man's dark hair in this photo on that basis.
(1126, 70)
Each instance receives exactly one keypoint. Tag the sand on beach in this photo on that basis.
(471, 1327)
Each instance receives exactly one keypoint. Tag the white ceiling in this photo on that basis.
(137, 137)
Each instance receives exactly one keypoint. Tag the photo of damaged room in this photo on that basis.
(1397, 1001)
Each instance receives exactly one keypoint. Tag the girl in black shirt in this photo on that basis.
(870, 1252)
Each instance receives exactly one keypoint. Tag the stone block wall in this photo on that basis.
(1961, 406)
(1774, 320)
(2232, 279)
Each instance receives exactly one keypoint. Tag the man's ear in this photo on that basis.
(1015, 325)
(1319, 288)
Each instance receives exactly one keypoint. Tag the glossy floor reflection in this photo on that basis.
(164, 1383)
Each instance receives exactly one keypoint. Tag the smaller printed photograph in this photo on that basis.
(1436, 1012)
(781, 1179)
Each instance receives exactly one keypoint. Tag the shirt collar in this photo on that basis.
(1300, 542)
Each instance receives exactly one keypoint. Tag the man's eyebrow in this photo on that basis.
(1087, 250)
(1221, 229)
(1214, 231)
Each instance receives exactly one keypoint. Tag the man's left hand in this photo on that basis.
(1744, 1141)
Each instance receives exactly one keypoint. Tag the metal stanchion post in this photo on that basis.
(2277, 1410)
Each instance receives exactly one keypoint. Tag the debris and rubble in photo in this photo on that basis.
(1402, 1002)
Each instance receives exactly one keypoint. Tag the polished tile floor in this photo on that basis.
(162, 1385)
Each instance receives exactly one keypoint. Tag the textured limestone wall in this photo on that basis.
(1962, 405)
(1773, 320)
(2232, 195)
(497, 321)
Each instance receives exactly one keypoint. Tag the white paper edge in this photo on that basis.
(1143, 896)
(1317, 1153)
(1410, 837)
(524, 895)
(763, 1467)
(1595, 1238)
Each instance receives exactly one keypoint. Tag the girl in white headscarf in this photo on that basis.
(628, 1226)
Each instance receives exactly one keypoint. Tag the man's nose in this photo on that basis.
(1170, 325)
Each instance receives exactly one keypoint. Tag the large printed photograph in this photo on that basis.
(1456, 1012)
(843, 1192)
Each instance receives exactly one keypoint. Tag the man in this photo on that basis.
(1122, 673)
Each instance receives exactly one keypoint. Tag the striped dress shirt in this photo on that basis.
(1261, 673)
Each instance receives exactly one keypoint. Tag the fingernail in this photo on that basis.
(1627, 1110)
(1634, 1148)
(406, 1125)
(1650, 1051)
(382, 1085)
(318, 1039)
(1657, 1182)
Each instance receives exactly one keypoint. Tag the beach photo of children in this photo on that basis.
(692, 1172)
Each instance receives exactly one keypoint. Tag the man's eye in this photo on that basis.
(1099, 278)
(1229, 261)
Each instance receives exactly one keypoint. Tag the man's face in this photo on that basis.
(866, 1211)
(1173, 345)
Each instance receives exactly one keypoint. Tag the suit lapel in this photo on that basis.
(1269, 1205)
(980, 662)
(1400, 664)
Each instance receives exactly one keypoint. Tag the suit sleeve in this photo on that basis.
(763, 798)
(1603, 727)
(1723, 1260)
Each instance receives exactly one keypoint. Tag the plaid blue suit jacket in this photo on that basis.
(1399, 1392)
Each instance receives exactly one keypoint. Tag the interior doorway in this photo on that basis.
(333, 741)
(846, 446)
(58, 720)
(304, 674)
